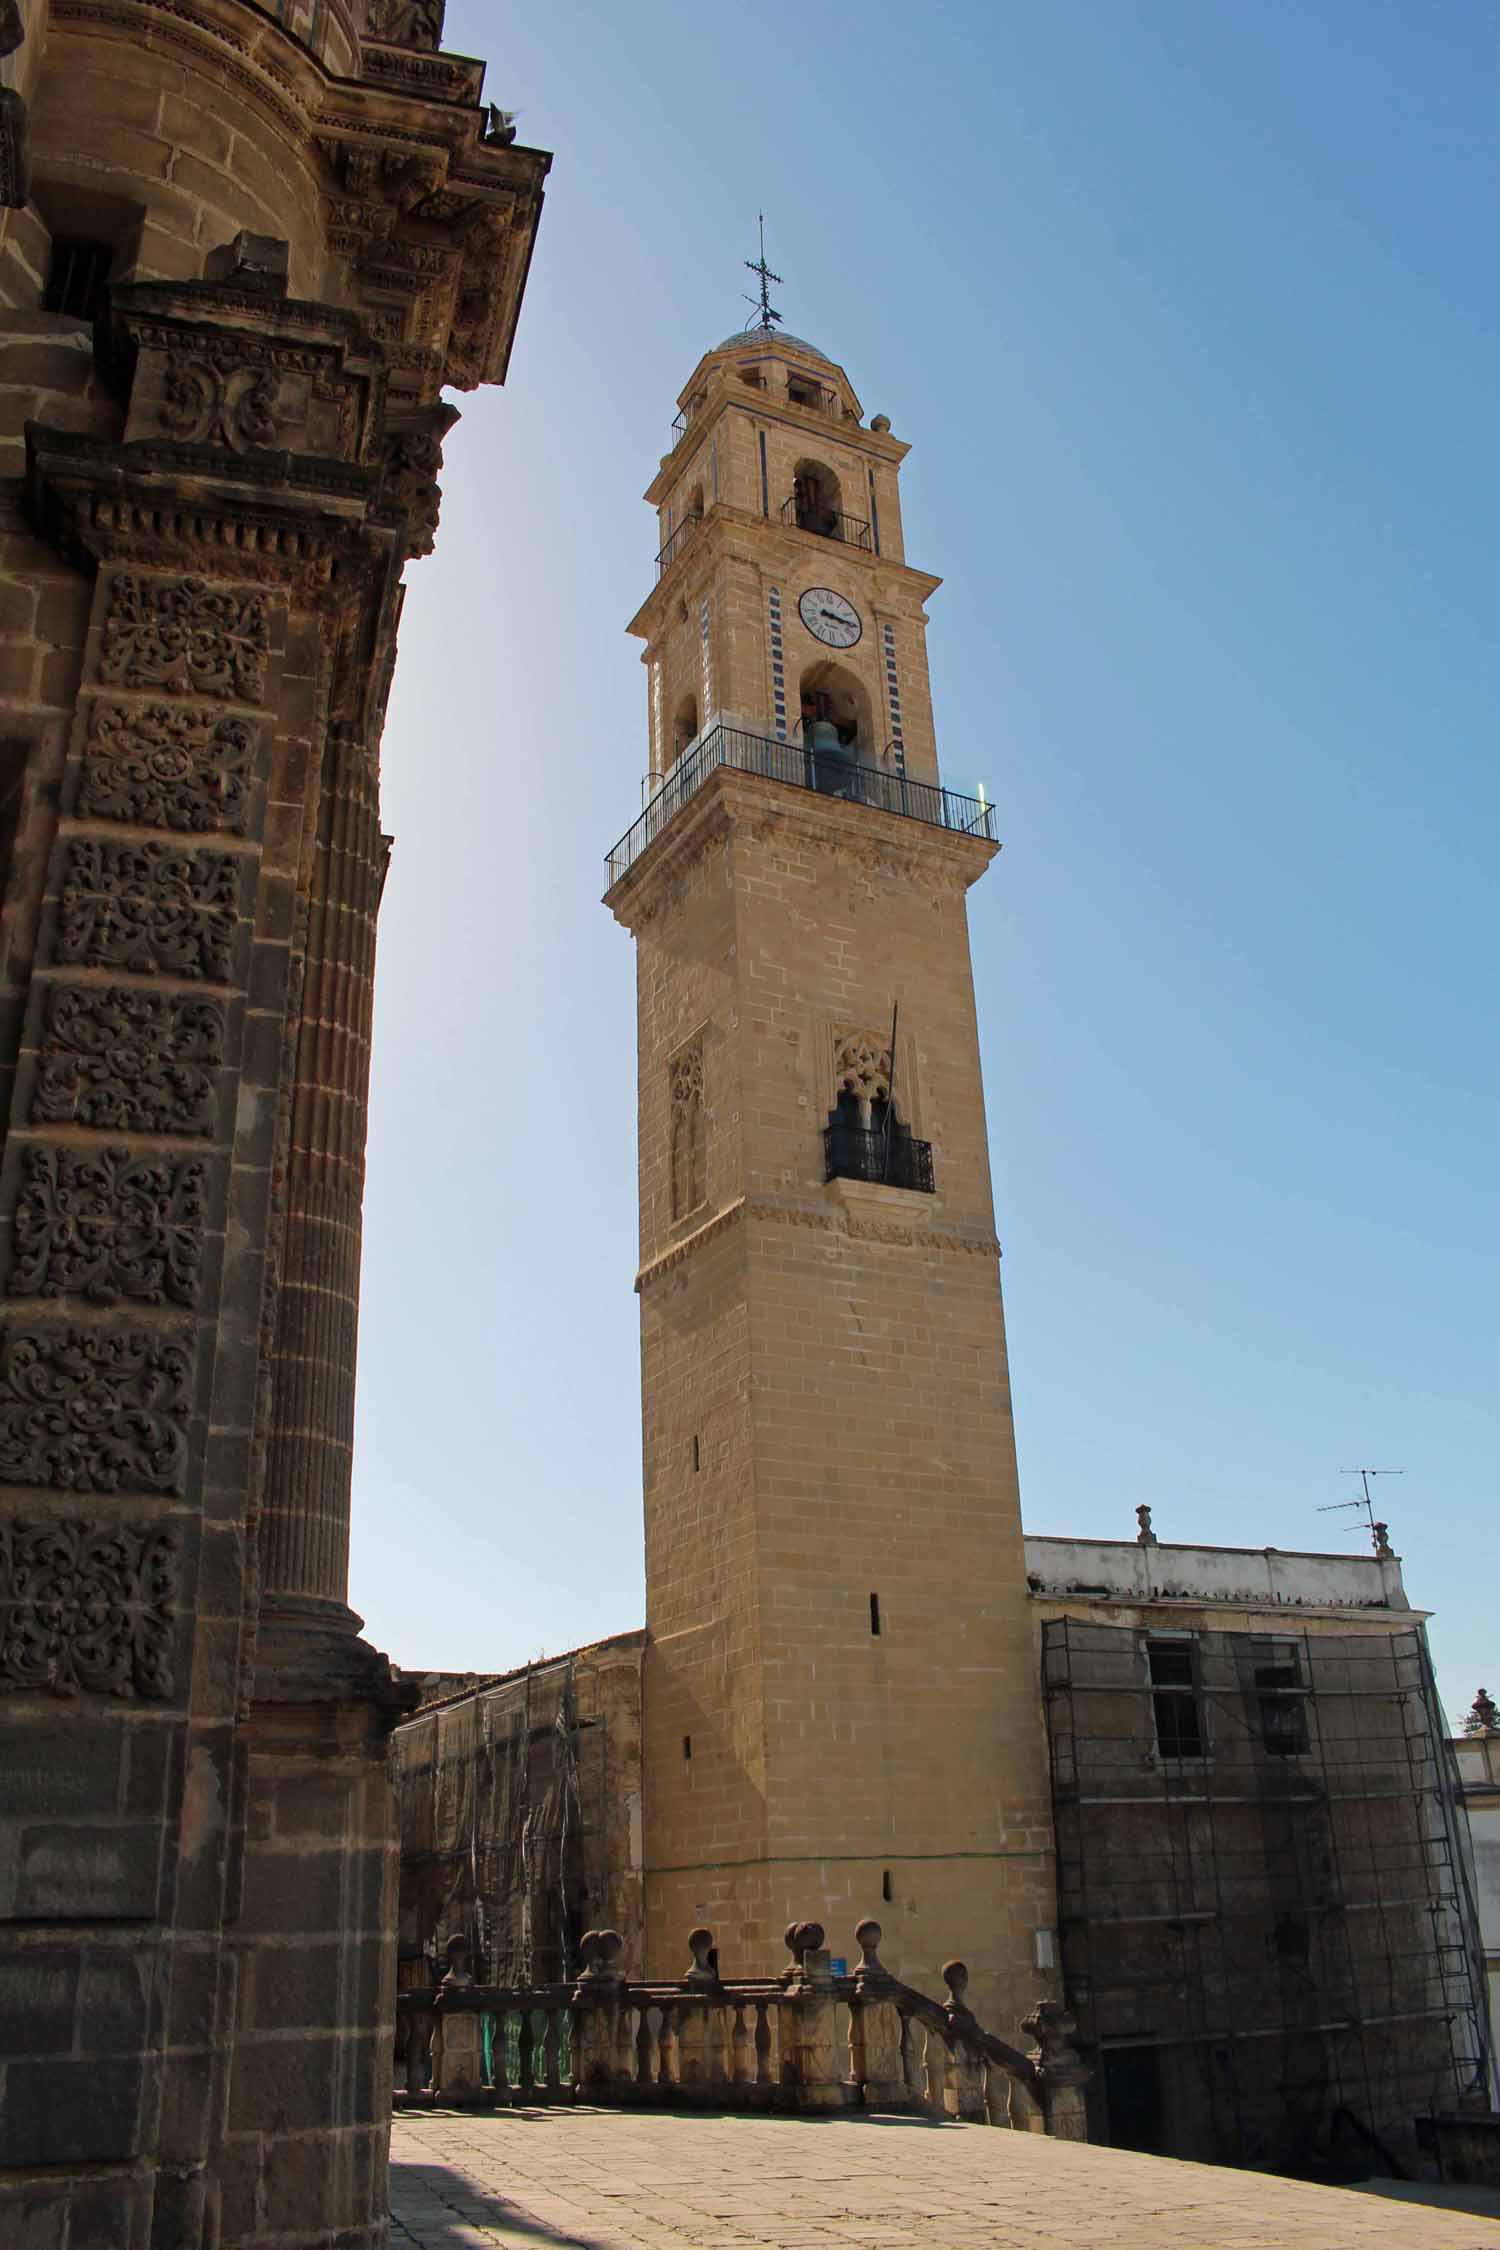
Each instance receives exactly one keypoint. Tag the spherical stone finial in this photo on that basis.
(880, 422)
(600, 1951)
(456, 1953)
(704, 1966)
(956, 1978)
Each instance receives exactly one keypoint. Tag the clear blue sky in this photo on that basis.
(1188, 312)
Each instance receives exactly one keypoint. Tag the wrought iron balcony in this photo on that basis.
(826, 523)
(676, 544)
(827, 772)
(895, 1160)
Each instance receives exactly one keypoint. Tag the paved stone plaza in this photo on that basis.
(600, 2180)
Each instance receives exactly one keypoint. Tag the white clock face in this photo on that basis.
(829, 618)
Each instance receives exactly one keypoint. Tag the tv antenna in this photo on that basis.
(1378, 1531)
(768, 313)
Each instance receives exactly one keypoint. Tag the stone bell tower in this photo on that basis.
(841, 1708)
(243, 251)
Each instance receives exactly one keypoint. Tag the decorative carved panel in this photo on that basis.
(169, 765)
(187, 636)
(689, 1156)
(122, 1059)
(150, 907)
(87, 1606)
(106, 1223)
(95, 1409)
(205, 402)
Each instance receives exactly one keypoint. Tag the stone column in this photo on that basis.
(305, 1535)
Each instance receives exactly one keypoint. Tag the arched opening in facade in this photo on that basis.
(838, 732)
(684, 726)
(817, 502)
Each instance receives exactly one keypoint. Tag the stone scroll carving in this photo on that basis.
(166, 765)
(153, 908)
(187, 636)
(121, 1059)
(107, 1223)
(95, 1409)
(203, 401)
(87, 1607)
(689, 1167)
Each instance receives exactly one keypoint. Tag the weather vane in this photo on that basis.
(768, 313)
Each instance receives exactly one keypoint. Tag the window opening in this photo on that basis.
(697, 1457)
(815, 500)
(875, 1615)
(1283, 1711)
(1174, 1699)
(78, 277)
(687, 1745)
(885, 1885)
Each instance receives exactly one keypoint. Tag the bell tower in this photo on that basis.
(841, 1706)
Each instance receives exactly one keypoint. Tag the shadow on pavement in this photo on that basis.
(434, 2206)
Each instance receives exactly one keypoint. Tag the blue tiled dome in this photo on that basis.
(764, 336)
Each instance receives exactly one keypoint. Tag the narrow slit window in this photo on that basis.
(875, 1613)
(77, 277)
(697, 1454)
(885, 1885)
(687, 1745)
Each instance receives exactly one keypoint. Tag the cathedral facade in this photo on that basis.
(243, 251)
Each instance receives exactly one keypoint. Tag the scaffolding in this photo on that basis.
(1265, 1903)
(508, 1800)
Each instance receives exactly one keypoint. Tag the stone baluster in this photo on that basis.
(552, 2056)
(457, 2049)
(499, 2067)
(763, 2072)
(808, 2028)
(963, 2034)
(875, 2028)
(624, 2055)
(645, 2051)
(597, 1998)
(419, 2024)
(939, 2073)
(912, 2061)
(526, 2053)
(700, 2066)
(1062, 2071)
(741, 2049)
(668, 2075)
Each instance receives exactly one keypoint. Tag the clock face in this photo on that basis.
(829, 618)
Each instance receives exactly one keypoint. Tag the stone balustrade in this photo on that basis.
(805, 2041)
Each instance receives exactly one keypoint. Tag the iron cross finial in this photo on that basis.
(768, 313)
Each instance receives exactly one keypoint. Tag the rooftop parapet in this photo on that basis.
(1122, 1570)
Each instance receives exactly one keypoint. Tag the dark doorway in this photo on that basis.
(1133, 2099)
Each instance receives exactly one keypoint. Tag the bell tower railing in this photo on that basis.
(826, 772)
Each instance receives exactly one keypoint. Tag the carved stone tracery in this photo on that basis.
(186, 635)
(862, 1068)
(124, 1059)
(688, 1154)
(87, 1606)
(95, 1410)
(169, 765)
(154, 908)
(106, 1224)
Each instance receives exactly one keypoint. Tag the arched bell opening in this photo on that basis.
(684, 725)
(837, 728)
(817, 500)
